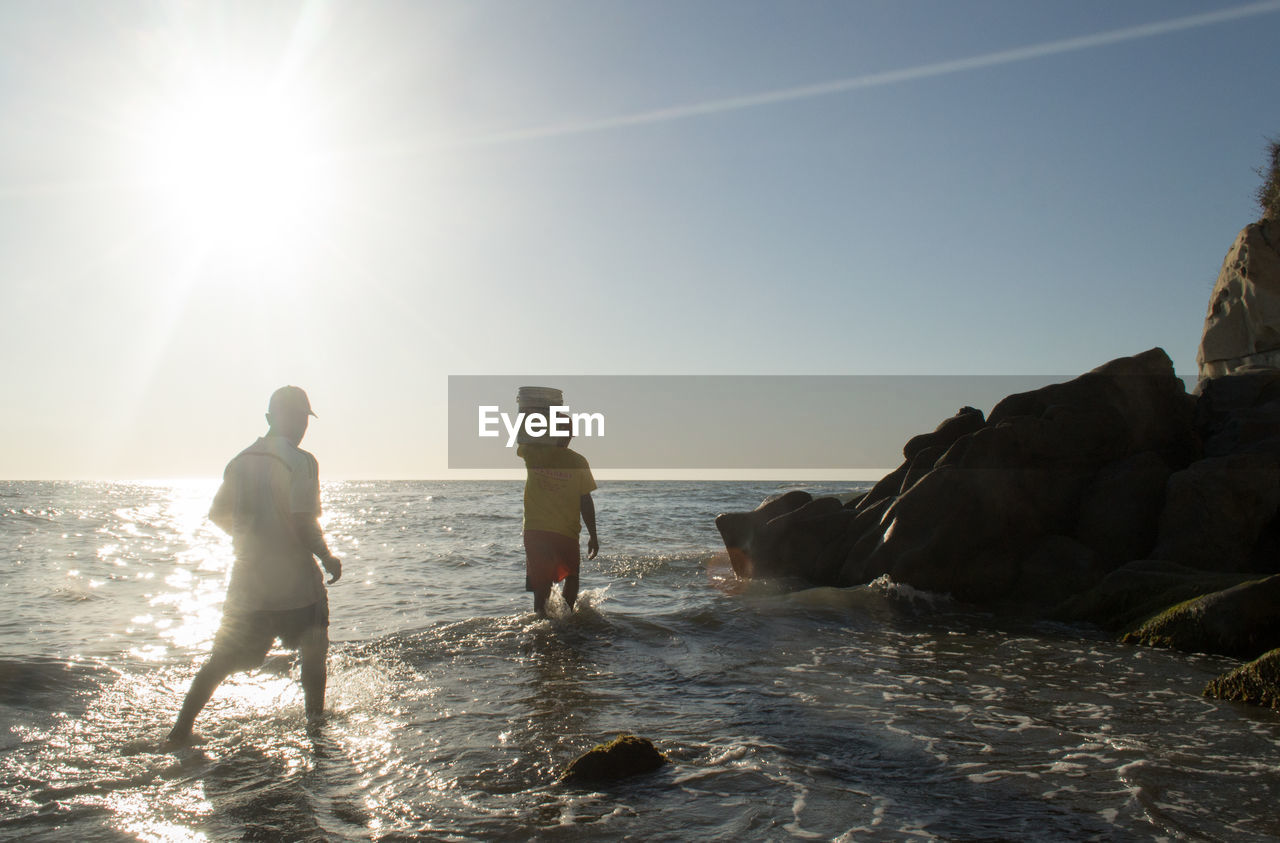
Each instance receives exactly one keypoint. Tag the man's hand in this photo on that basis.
(593, 547)
(334, 566)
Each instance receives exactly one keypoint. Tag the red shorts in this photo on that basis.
(548, 558)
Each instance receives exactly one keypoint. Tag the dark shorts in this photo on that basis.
(245, 638)
(548, 558)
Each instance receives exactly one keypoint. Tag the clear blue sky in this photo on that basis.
(199, 203)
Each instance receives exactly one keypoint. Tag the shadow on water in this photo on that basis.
(103, 773)
(297, 789)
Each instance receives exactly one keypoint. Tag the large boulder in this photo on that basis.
(1119, 512)
(1240, 412)
(966, 420)
(1220, 514)
(968, 524)
(794, 543)
(739, 530)
(1242, 326)
(1058, 565)
(1126, 406)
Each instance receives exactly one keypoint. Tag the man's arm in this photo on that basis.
(220, 511)
(588, 509)
(307, 526)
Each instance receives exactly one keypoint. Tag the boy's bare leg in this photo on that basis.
(570, 590)
(540, 596)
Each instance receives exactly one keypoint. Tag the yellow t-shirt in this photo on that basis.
(555, 482)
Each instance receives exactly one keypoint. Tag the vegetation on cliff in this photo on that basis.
(1269, 191)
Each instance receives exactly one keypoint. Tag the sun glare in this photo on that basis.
(238, 169)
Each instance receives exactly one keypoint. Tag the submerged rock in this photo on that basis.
(1255, 683)
(625, 755)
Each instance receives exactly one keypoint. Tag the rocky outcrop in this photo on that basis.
(1107, 498)
(1242, 327)
(625, 755)
(1038, 501)
(1116, 498)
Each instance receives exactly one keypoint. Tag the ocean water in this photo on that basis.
(870, 713)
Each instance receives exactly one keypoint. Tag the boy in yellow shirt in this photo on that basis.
(557, 490)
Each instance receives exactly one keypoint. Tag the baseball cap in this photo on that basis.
(289, 399)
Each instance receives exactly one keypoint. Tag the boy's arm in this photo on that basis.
(588, 509)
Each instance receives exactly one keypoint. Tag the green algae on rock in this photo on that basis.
(625, 755)
(1255, 683)
(1243, 621)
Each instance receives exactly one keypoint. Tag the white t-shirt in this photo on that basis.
(262, 489)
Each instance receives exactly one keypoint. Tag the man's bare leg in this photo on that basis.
(202, 687)
(313, 652)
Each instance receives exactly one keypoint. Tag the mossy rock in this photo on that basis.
(1133, 594)
(625, 755)
(1255, 683)
(1243, 621)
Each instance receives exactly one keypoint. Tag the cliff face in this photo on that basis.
(1242, 327)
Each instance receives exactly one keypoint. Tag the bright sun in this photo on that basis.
(238, 169)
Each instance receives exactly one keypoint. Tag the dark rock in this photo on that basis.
(938, 531)
(793, 544)
(1057, 568)
(1255, 683)
(921, 464)
(887, 488)
(1238, 410)
(1217, 510)
(862, 538)
(965, 421)
(625, 755)
(1120, 510)
(1123, 407)
(1135, 592)
(1242, 621)
(738, 529)
(853, 502)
